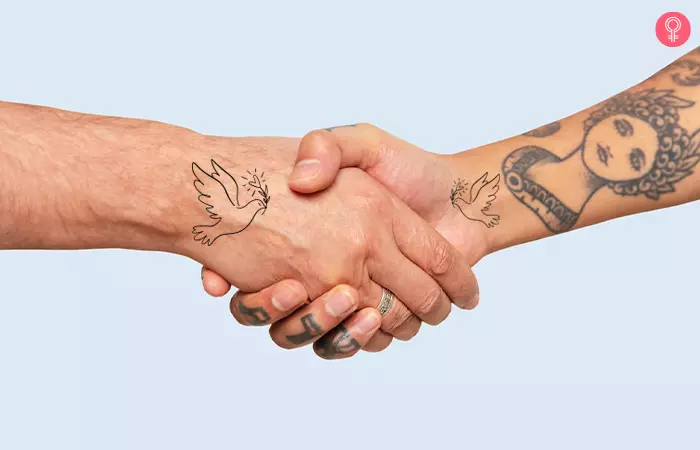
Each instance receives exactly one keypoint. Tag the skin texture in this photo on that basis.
(366, 239)
(76, 181)
(613, 154)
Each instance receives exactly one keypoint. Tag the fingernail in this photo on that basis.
(475, 300)
(367, 323)
(285, 298)
(306, 169)
(202, 273)
(339, 304)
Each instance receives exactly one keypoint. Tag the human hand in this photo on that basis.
(426, 182)
(367, 239)
(421, 179)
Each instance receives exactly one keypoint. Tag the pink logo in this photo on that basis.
(673, 29)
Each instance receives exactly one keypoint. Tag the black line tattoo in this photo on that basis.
(632, 144)
(687, 72)
(683, 72)
(544, 130)
(478, 205)
(219, 192)
(311, 330)
(340, 126)
(623, 127)
(341, 344)
(256, 316)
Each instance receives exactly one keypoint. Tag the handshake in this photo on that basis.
(364, 240)
(350, 237)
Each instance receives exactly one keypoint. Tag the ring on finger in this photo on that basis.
(386, 302)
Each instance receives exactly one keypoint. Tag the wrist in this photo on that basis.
(515, 225)
(250, 173)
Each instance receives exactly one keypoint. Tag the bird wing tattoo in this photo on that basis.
(219, 193)
(481, 195)
(488, 188)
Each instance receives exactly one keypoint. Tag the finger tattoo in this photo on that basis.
(311, 330)
(341, 344)
(255, 316)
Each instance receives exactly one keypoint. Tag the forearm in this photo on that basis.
(634, 153)
(72, 180)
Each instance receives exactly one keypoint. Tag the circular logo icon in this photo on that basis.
(673, 29)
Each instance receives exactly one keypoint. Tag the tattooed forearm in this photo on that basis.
(338, 344)
(544, 130)
(475, 204)
(632, 145)
(686, 72)
(683, 72)
(311, 330)
(220, 193)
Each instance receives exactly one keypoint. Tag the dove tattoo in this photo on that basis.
(481, 195)
(219, 192)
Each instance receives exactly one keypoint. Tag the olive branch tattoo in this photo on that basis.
(219, 193)
(257, 186)
(458, 187)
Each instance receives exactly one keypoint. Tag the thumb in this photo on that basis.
(317, 164)
(322, 153)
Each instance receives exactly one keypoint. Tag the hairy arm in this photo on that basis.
(77, 181)
(73, 181)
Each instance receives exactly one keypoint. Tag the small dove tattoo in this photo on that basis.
(478, 205)
(219, 193)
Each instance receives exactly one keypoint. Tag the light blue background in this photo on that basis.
(585, 340)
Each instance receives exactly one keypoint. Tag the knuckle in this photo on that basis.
(356, 247)
(398, 319)
(443, 259)
(429, 303)
(357, 240)
(366, 127)
(372, 201)
(380, 140)
(313, 139)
